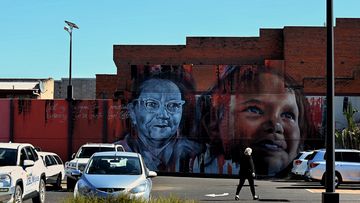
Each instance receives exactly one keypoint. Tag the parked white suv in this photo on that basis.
(55, 171)
(300, 163)
(81, 158)
(22, 173)
(347, 166)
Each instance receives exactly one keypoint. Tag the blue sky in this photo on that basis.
(33, 43)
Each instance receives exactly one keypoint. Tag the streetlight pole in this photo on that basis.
(69, 29)
(330, 196)
(70, 26)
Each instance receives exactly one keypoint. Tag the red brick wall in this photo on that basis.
(346, 86)
(106, 85)
(302, 49)
(347, 46)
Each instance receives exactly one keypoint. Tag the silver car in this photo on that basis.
(347, 166)
(115, 173)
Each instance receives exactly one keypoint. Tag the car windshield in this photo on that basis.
(114, 165)
(87, 152)
(8, 157)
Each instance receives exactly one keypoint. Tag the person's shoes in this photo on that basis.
(255, 197)
(237, 197)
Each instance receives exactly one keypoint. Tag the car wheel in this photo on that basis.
(18, 194)
(70, 184)
(41, 195)
(337, 180)
(58, 182)
(322, 181)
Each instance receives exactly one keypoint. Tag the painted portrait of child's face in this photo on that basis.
(267, 121)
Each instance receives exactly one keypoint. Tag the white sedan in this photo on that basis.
(55, 171)
(115, 173)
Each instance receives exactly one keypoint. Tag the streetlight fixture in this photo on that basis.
(70, 26)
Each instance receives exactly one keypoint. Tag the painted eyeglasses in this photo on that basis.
(153, 105)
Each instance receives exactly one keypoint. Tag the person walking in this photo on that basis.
(247, 171)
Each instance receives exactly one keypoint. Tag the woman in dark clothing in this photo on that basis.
(247, 171)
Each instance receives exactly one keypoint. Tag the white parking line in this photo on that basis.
(357, 192)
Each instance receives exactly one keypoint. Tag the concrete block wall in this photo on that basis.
(83, 88)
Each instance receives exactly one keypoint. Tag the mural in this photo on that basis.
(159, 123)
(182, 123)
(245, 106)
(258, 108)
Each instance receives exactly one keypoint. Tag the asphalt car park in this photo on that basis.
(223, 190)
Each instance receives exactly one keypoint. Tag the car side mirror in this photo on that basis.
(76, 173)
(28, 163)
(73, 156)
(152, 174)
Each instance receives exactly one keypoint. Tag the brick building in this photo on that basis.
(300, 51)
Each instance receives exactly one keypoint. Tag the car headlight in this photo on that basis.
(84, 188)
(5, 180)
(70, 165)
(140, 188)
